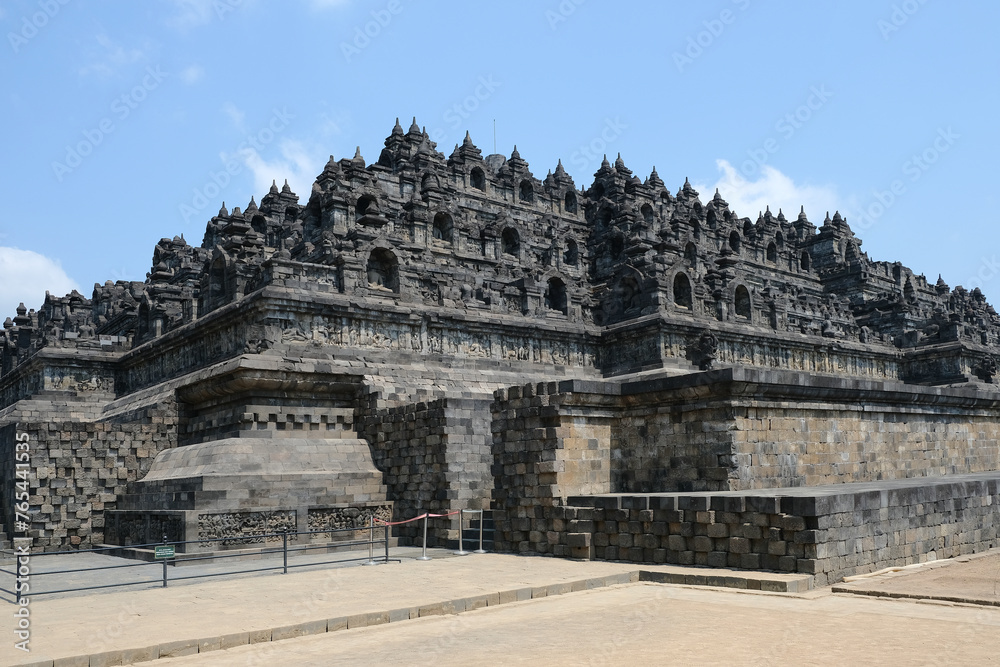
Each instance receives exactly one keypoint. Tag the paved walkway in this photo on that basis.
(109, 574)
(137, 625)
(645, 624)
(504, 608)
(972, 579)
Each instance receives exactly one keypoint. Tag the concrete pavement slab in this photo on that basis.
(189, 619)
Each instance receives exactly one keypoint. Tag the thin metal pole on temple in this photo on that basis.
(423, 555)
(284, 551)
(371, 541)
(482, 520)
(387, 541)
(164, 563)
(461, 534)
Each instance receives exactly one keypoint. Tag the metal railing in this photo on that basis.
(188, 557)
(461, 533)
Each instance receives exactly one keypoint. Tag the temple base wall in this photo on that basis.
(79, 469)
(830, 532)
(747, 468)
(732, 429)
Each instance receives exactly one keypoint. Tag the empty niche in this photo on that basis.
(478, 178)
(742, 302)
(691, 254)
(511, 241)
(570, 202)
(682, 291)
(572, 254)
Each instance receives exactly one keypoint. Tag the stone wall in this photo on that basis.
(830, 532)
(735, 428)
(435, 457)
(749, 429)
(719, 441)
(79, 470)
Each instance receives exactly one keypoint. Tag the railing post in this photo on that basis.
(387, 542)
(284, 551)
(423, 555)
(461, 534)
(164, 562)
(482, 520)
(371, 541)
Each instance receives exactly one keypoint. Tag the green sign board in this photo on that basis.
(164, 552)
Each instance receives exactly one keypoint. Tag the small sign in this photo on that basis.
(164, 552)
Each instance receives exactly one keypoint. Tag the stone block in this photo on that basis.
(233, 640)
(693, 503)
(298, 630)
(71, 661)
(185, 647)
(436, 609)
(676, 543)
(717, 530)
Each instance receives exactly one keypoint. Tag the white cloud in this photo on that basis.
(191, 13)
(297, 164)
(329, 126)
(194, 13)
(112, 56)
(772, 188)
(328, 4)
(235, 115)
(25, 276)
(192, 75)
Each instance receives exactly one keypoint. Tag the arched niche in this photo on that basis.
(442, 228)
(741, 302)
(682, 291)
(383, 270)
(555, 295)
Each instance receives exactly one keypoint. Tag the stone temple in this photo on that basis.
(616, 372)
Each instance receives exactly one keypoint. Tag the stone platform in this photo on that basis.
(829, 532)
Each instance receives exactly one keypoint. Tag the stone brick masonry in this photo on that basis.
(81, 469)
(554, 474)
(436, 457)
(830, 532)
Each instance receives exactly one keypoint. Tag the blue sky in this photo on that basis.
(125, 122)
